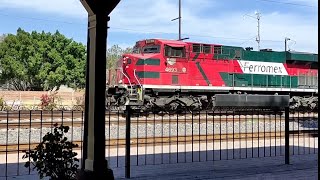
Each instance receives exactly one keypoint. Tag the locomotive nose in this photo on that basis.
(126, 60)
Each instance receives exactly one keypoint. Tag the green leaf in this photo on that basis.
(27, 164)
(41, 61)
(54, 156)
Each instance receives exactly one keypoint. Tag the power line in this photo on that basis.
(40, 19)
(133, 30)
(195, 35)
(248, 40)
(287, 3)
(158, 32)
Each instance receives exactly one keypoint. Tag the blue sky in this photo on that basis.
(207, 21)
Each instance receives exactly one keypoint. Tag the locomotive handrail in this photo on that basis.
(128, 80)
(134, 73)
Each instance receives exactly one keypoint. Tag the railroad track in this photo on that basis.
(4, 115)
(160, 141)
(26, 125)
(114, 118)
(7, 115)
(10, 124)
(77, 123)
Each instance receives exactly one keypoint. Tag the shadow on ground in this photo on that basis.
(173, 163)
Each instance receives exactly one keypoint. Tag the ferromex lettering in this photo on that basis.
(258, 67)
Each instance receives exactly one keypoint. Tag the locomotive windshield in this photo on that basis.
(151, 49)
(175, 51)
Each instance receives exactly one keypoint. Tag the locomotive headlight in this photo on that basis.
(124, 60)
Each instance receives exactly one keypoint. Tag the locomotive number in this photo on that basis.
(171, 69)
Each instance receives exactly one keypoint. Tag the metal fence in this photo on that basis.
(219, 134)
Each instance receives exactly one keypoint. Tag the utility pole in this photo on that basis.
(258, 20)
(179, 20)
(258, 37)
(285, 46)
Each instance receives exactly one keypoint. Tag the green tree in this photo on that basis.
(2, 37)
(114, 54)
(41, 61)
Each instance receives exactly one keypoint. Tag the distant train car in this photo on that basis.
(167, 74)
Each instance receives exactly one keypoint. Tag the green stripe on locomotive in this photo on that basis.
(149, 61)
(148, 74)
(259, 80)
(294, 56)
(278, 57)
(232, 52)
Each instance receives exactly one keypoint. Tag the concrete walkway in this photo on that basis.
(302, 167)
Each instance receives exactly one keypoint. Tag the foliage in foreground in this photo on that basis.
(54, 156)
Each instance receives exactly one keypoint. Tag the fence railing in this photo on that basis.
(219, 134)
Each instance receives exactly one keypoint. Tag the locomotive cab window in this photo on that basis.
(151, 49)
(178, 51)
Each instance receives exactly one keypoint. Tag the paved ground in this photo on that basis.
(301, 167)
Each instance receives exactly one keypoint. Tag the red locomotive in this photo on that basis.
(168, 73)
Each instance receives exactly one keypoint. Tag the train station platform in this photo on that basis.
(301, 167)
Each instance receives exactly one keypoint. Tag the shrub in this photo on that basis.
(53, 157)
(80, 102)
(48, 101)
(2, 103)
(4, 106)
